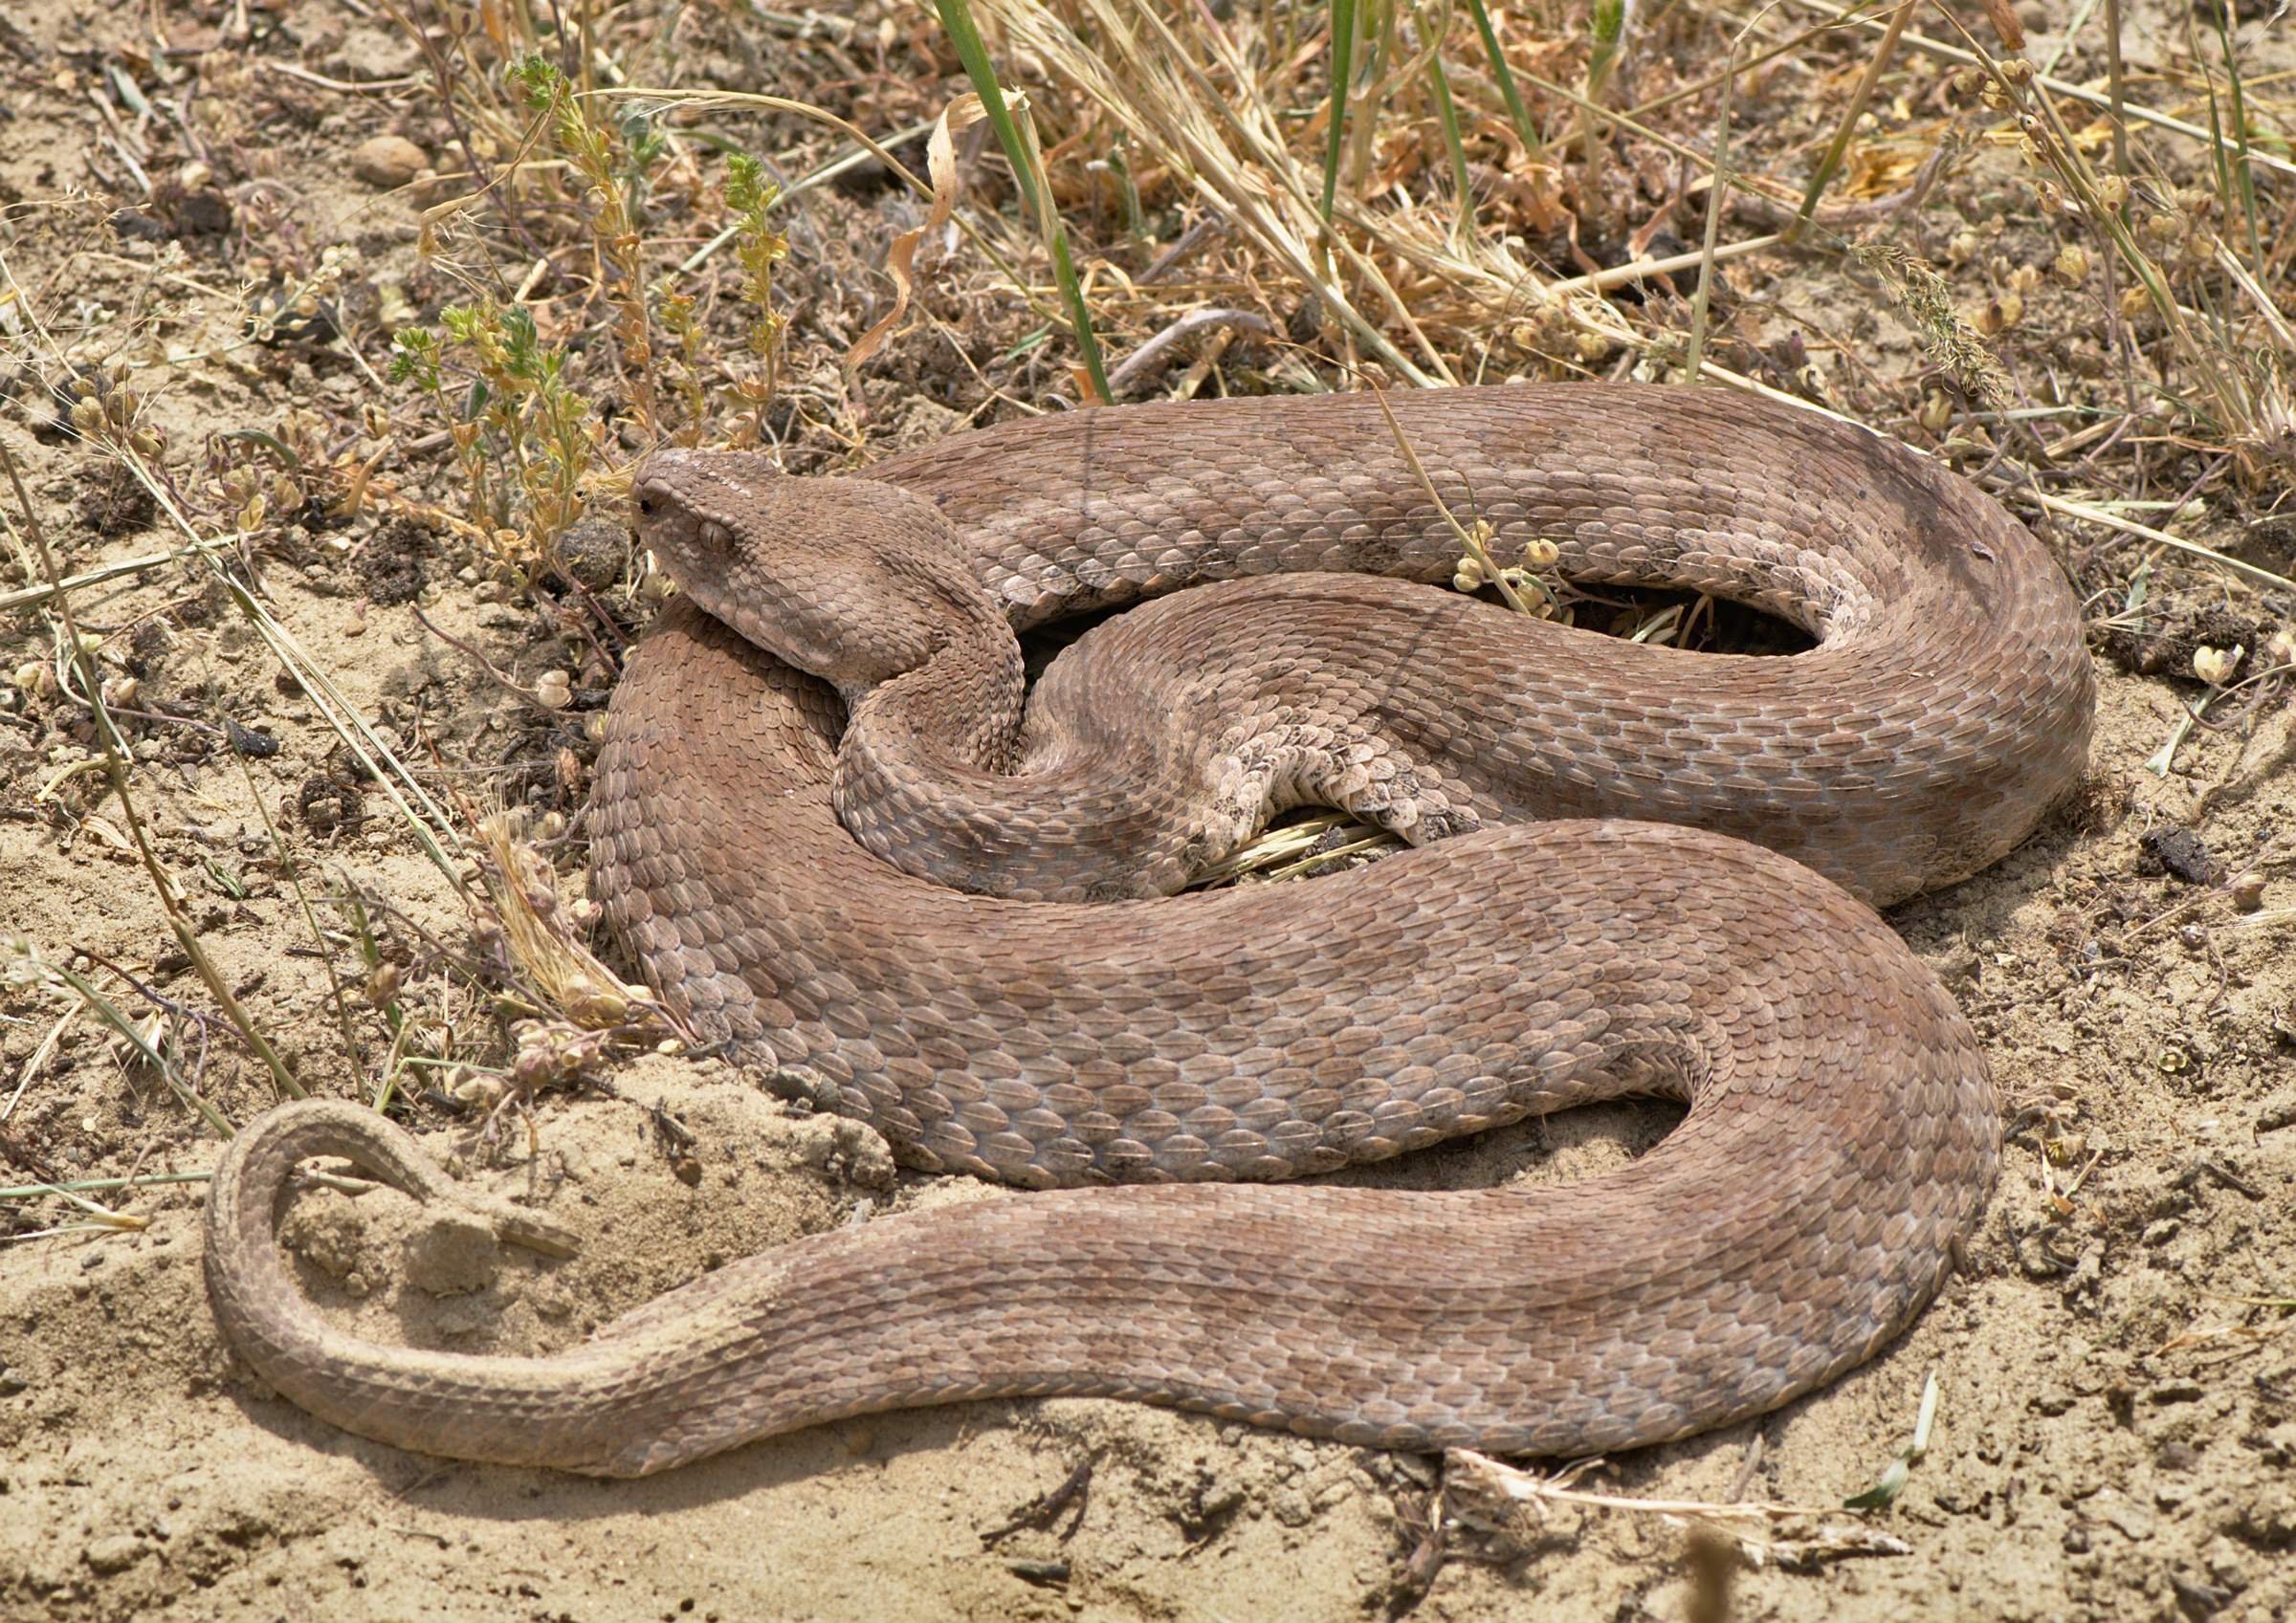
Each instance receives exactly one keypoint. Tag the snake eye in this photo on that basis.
(717, 536)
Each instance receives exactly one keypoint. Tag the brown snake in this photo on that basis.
(1841, 1134)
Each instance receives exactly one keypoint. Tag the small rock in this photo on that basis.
(1216, 1500)
(2268, 1520)
(114, 1554)
(326, 1230)
(2197, 1600)
(453, 1257)
(2133, 1520)
(389, 162)
(1955, 965)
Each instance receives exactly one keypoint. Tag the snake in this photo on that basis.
(846, 837)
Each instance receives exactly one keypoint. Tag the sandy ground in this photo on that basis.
(2116, 1435)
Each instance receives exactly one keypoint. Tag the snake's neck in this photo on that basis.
(946, 733)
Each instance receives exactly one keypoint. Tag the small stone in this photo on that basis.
(2267, 1518)
(2247, 891)
(453, 1257)
(2197, 1600)
(328, 1231)
(115, 1554)
(2133, 1520)
(389, 162)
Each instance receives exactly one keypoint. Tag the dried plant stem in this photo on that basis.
(1636, 270)
(28, 1191)
(42, 591)
(2087, 513)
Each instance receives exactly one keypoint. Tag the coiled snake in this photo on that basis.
(1841, 1134)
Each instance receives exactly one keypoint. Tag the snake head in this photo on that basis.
(851, 580)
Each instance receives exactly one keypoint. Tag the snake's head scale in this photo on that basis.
(851, 579)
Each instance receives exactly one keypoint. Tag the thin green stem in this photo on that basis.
(1344, 54)
(1501, 72)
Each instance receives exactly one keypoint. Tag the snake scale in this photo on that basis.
(1636, 870)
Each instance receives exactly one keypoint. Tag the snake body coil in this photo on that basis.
(1841, 1133)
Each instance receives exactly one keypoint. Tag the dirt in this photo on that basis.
(2115, 1434)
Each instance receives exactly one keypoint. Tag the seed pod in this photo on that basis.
(2215, 666)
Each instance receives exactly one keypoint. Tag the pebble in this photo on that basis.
(389, 162)
(452, 1257)
(114, 1554)
(2132, 1520)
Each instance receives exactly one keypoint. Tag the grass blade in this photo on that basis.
(1343, 51)
(1018, 138)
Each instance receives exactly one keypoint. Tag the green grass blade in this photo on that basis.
(957, 19)
(1344, 54)
(1448, 112)
(1500, 71)
(1018, 143)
